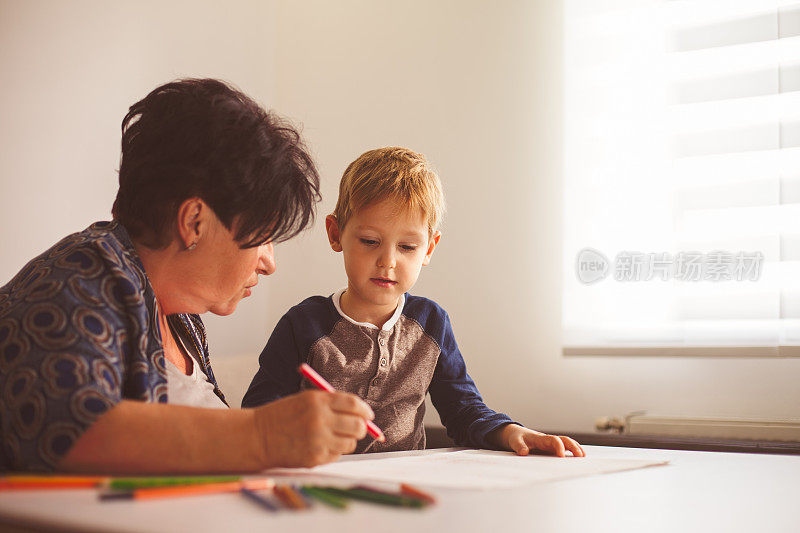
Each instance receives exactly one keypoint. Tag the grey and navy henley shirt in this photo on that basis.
(392, 368)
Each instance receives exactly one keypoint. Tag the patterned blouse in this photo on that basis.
(78, 334)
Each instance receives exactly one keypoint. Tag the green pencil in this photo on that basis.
(132, 483)
(372, 496)
(324, 496)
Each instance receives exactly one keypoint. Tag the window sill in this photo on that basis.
(684, 351)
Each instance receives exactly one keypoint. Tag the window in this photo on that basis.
(682, 177)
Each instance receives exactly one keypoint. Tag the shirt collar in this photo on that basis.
(337, 296)
(124, 239)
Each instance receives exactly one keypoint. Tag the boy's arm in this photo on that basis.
(470, 422)
(277, 374)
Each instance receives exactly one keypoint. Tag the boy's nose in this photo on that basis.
(266, 259)
(387, 260)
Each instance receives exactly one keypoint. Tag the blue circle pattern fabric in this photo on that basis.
(78, 334)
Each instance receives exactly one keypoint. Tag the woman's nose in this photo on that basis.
(266, 259)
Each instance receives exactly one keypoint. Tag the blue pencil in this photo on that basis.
(258, 499)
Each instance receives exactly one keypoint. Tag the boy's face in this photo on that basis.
(384, 249)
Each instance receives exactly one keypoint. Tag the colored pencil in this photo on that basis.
(147, 482)
(309, 501)
(289, 497)
(379, 497)
(258, 499)
(18, 482)
(152, 493)
(320, 383)
(298, 499)
(324, 496)
(414, 492)
(408, 492)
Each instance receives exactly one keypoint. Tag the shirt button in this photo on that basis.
(381, 342)
(383, 362)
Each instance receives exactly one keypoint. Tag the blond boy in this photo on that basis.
(374, 339)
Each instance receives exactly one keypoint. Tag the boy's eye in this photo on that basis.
(407, 248)
(368, 242)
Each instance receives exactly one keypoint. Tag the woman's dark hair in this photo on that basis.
(203, 138)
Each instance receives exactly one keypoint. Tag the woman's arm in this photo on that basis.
(300, 430)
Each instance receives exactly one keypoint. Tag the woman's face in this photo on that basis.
(223, 272)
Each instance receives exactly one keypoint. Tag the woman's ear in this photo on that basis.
(334, 236)
(432, 242)
(192, 222)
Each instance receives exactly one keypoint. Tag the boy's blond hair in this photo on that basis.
(392, 173)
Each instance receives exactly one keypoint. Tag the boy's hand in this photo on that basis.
(522, 440)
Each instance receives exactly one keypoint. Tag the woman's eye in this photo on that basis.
(369, 242)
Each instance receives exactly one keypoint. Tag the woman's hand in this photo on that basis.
(150, 438)
(311, 428)
(522, 441)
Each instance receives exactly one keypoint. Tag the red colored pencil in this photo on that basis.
(320, 383)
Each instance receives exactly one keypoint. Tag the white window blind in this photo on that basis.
(682, 141)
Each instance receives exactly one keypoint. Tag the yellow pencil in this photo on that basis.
(289, 497)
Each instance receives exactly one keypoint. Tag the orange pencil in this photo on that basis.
(188, 490)
(414, 492)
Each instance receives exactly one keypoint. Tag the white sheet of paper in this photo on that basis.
(476, 469)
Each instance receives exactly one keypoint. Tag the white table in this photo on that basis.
(697, 491)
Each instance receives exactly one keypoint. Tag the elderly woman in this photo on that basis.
(104, 364)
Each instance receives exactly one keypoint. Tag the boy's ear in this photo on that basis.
(334, 237)
(432, 242)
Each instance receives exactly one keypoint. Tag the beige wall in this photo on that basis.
(474, 86)
(70, 69)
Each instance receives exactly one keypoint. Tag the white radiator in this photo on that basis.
(640, 423)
